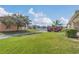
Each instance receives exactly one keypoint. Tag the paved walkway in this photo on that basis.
(3, 36)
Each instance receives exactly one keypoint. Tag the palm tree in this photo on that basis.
(57, 23)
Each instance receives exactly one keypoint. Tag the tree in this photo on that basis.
(57, 23)
(8, 21)
(21, 21)
(18, 20)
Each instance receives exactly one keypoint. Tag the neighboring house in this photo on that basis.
(74, 21)
(3, 27)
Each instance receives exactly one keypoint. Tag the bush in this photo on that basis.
(49, 28)
(57, 28)
(71, 33)
(54, 28)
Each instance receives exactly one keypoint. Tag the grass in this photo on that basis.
(42, 43)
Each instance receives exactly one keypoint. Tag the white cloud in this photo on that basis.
(31, 11)
(40, 18)
(3, 12)
(42, 21)
(36, 14)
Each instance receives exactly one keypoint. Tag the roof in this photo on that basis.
(74, 16)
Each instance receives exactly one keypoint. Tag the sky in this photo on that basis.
(41, 14)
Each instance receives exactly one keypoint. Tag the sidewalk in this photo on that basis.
(3, 36)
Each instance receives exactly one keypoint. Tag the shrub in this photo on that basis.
(57, 28)
(49, 28)
(54, 28)
(71, 33)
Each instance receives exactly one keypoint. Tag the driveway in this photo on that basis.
(3, 36)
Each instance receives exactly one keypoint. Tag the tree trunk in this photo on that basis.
(17, 28)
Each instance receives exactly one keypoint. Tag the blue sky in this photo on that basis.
(51, 11)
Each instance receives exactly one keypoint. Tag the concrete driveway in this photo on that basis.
(3, 36)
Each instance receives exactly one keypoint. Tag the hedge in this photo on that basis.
(71, 33)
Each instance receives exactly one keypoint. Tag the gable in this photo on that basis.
(76, 19)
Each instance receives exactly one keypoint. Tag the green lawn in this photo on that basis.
(48, 42)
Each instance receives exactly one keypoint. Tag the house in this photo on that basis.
(12, 27)
(74, 21)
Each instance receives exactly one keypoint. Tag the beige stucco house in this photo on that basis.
(74, 21)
